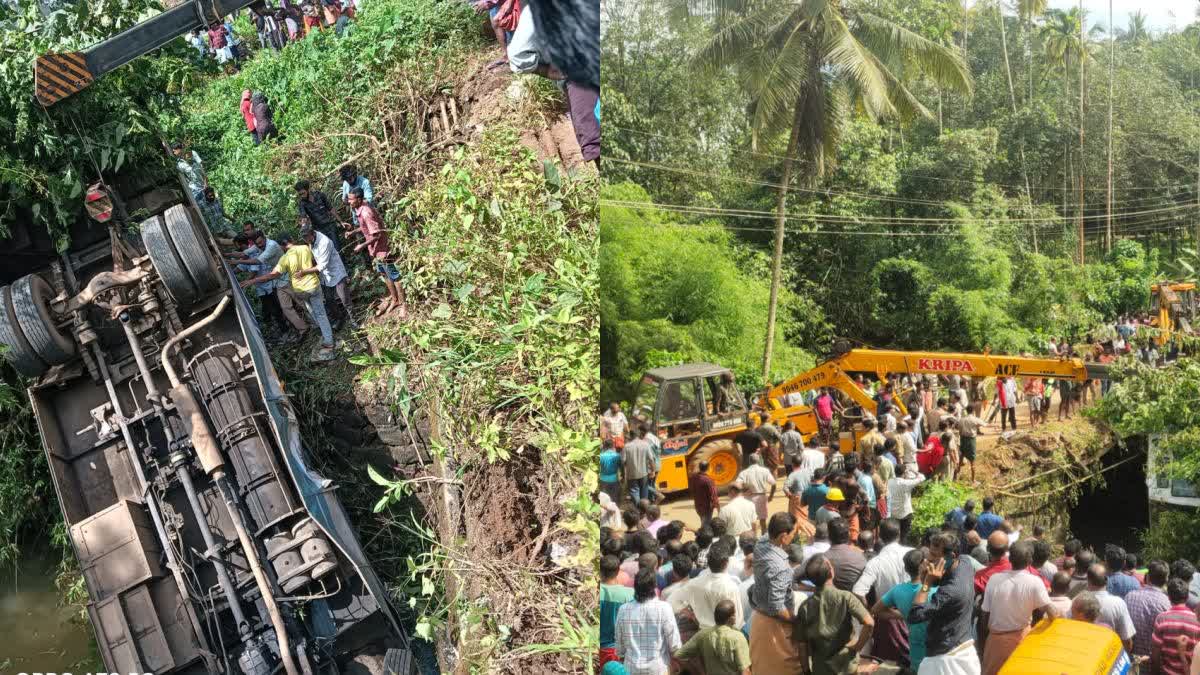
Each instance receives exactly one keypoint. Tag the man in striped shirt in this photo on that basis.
(1166, 656)
(647, 634)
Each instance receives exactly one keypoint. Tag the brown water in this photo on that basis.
(37, 633)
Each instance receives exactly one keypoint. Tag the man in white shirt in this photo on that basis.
(739, 513)
(886, 569)
(614, 424)
(709, 587)
(1113, 610)
(1009, 600)
(906, 444)
(899, 491)
(330, 267)
(756, 479)
(820, 543)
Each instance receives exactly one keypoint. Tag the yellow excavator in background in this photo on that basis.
(698, 414)
(1175, 307)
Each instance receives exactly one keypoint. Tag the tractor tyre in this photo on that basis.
(167, 262)
(17, 350)
(30, 297)
(724, 459)
(192, 249)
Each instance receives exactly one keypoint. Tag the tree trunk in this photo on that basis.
(1112, 59)
(1012, 95)
(1082, 88)
(780, 221)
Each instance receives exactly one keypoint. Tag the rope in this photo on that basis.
(1068, 485)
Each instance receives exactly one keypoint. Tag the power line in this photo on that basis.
(721, 226)
(906, 219)
(1170, 186)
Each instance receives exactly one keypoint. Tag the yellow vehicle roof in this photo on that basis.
(1068, 647)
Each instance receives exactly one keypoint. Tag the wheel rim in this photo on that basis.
(722, 467)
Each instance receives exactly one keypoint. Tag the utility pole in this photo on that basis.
(1082, 85)
(1112, 60)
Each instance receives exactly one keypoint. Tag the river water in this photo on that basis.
(37, 633)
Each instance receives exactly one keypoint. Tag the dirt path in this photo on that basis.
(679, 506)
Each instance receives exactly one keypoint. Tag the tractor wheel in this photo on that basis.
(724, 461)
(192, 249)
(17, 350)
(31, 305)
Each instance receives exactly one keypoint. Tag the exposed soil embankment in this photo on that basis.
(1037, 475)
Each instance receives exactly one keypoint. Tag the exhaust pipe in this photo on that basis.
(210, 458)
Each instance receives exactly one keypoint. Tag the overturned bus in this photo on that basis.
(206, 542)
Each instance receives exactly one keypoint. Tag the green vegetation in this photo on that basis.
(1163, 538)
(908, 220)
(932, 500)
(498, 254)
(505, 353)
(48, 156)
(677, 292)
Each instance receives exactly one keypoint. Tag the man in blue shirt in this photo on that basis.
(814, 495)
(1119, 583)
(988, 521)
(351, 180)
(610, 471)
(958, 516)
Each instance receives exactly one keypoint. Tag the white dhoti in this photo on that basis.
(962, 660)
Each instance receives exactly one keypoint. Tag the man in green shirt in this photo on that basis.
(824, 624)
(721, 649)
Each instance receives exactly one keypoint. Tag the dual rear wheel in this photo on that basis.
(29, 331)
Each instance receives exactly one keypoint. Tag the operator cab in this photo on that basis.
(690, 399)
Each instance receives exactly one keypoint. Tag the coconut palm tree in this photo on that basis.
(1066, 48)
(1137, 31)
(1027, 11)
(807, 65)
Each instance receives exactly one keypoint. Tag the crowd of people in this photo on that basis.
(297, 279)
(841, 573)
(276, 26)
(738, 595)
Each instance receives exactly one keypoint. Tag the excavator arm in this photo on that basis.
(836, 372)
(57, 76)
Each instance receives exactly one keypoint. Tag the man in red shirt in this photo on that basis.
(704, 493)
(1169, 627)
(376, 243)
(930, 456)
(997, 546)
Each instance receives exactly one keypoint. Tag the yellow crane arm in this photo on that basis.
(836, 372)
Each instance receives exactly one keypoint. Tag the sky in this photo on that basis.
(1158, 12)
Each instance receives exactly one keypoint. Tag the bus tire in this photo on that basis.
(166, 261)
(30, 297)
(17, 350)
(192, 249)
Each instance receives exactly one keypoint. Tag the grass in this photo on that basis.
(497, 252)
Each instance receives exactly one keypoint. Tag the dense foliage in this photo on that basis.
(933, 500)
(330, 98)
(675, 292)
(48, 156)
(920, 232)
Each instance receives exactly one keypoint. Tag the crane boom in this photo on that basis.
(57, 76)
(836, 371)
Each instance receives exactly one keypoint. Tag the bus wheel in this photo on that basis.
(724, 461)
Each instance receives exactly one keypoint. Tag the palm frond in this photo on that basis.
(888, 40)
(850, 58)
